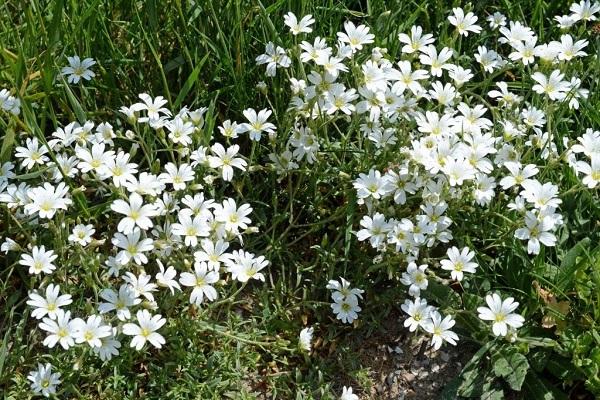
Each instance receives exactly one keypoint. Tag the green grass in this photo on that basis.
(201, 53)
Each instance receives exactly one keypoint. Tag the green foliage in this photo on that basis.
(202, 53)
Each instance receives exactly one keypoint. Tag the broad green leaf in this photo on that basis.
(510, 365)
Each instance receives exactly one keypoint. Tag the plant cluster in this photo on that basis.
(468, 185)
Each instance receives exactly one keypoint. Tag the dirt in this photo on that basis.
(404, 367)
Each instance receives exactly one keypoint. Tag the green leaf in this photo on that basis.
(473, 377)
(493, 394)
(450, 391)
(538, 388)
(443, 295)
(7, 144)
(189, 83)
(569, 264)
(75, 104)
(472, 384)
(510, 365)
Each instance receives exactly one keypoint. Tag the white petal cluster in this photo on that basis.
(154, 211)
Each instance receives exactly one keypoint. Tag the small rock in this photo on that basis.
(435, 368)
(391, 379)
(409, 377)
(445, 356)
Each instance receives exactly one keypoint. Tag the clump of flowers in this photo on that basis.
(153, 212)
(434, 144)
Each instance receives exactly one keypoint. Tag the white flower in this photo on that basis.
(47, 200)
(32, 154)
(166, 278)
(347, 394)
(9, 245)
(584, 10)
(418, 313)
(118, 302)
(525, 51)
(305, 338)
(415, 278)
(201, 280)
(567, 49)
(518, 174)
(109, 348)
(153, 107)
(39, 261)
(355, 36)
(82, 234)
(342, 289)
(61, 330)
(298, 27)
(105, 133)
(199, 205)
(375, 229)
(120, 169)
(565, 21)
(180, 131)
(257, 123)
(496, 20)
(141, 285)
(338, 99)
(553, 86)
(43, 380)
(146, 184)
(145, 330)
(9, 103)
(177, 176)
(591, 171)
(50, 304)
(464, 23)
(136, 213)
(230, 129)
(78, 69)
(346, 309)
(372, 185)
(440, 330)
(274, 56)
(436, 61)
(243, 266)
(416, 42)
(226, 160)
(488, 59)
(190, 227)
(132, 247)
(459, 262)
(537, 230)
(233, 217)
(213, 253)
(542, 196)
(91, 331)
(458, 170)
(501, 312)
